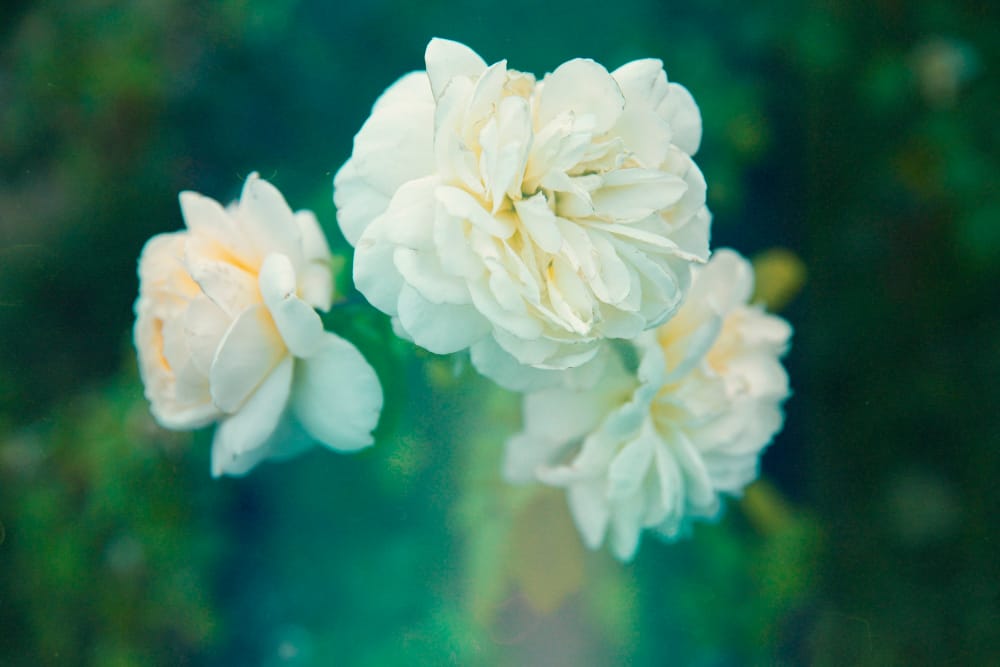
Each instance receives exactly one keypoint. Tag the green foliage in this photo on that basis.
(111, 543)
(861, 136)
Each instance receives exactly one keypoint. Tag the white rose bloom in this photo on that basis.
(655, 448)
(526, 221)
(226, 331)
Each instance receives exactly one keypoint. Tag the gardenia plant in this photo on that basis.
(549, 229)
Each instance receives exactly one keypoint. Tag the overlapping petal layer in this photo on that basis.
(654, 448)
(226, 330)
(528, 221)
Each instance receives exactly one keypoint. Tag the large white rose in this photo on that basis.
(656, 447)
(528, 221)
(226, 331)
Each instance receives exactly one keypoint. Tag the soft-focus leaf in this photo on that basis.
(778, 277)
(546, 558)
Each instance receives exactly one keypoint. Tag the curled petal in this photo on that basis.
(375, 273)
(643, 82)
(204, 326)
(561, 211)
(337, 396)
(447, 59)
(239, 442)
(206, 217)
(626, 524)
(590, 511)
(442, 328)
(268, 221)
(524, 454)
(250, 349)
(685, 119)
(358, 202)
(686, 425)
(230, 286)
(393, 147)
(298, 324)
(583, 88)
(314, 245)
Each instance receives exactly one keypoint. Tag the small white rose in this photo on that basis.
(655, 448)
(226, 331)
(528, 221)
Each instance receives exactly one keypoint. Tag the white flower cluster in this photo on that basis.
(655, 447)
(527, 220)
(555, 228)
(227, 332)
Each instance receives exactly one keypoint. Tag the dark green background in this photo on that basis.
(862, 136)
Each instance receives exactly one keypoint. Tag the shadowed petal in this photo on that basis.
(337, 396)
(239, 442)
(299, 325)
(250, 349)
(447, 59)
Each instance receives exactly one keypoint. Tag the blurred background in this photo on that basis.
(860, 137)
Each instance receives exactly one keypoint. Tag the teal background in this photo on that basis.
(862, 136)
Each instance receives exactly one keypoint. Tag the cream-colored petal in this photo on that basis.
(206, 217)
(503, 368)
(393, 147)
(540, 222)
(204, 326)
(337, 396)
(268, 221)
(178, 417)
(519, 323)
(696, 487)
(685, 119)
(506, 142)
(524, 454)
(232, 287)
(686, 348)
(299, 325)
(584, 88)
(455, 157)
(564, 415)
(358, 202)
(375, 274)
(725, 282)
(441, 328)
(241, 439)
(461, 204)
(629, 468)
(484, 100)
(409, 219)
(500, 366)
(316, 286)
(452, 244)
(667, 501)
(645, 134)
(589, 507)
(424, 272)
(249, 351)
(627, 195)
(409, 91)
(643, 82)
(314, 245)
(161, 264)
(626, 527)
(447, 59)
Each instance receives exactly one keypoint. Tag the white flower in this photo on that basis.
(655, 448)
(528, 221)
(226, 331)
